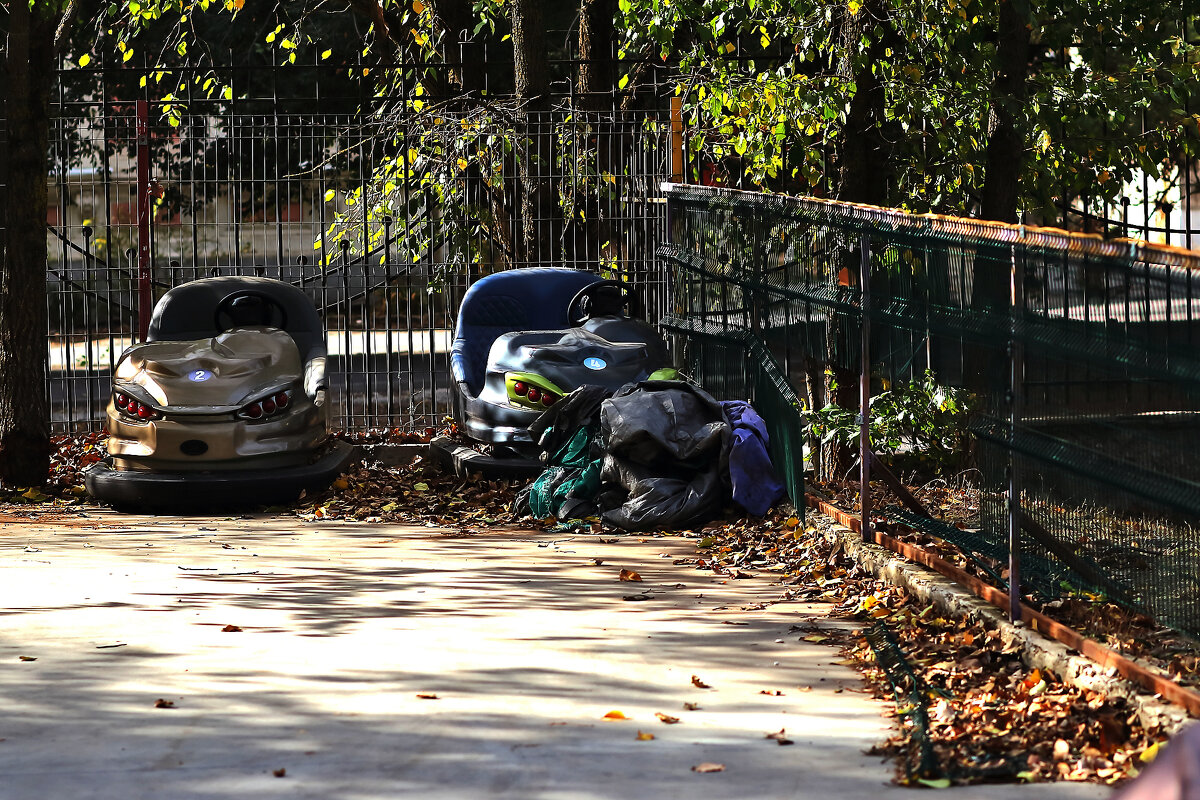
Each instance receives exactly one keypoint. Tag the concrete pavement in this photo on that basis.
(526, 639)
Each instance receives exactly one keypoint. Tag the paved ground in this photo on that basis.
(526, 641)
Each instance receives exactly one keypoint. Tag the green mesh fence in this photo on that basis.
(1079, 358)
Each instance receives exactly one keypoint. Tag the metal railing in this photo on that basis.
(270, 189)
(1075, 357)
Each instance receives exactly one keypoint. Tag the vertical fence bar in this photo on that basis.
(145, 298)
(1016, 368)
(864, 389)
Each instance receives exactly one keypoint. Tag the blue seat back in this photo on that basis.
(515, 300)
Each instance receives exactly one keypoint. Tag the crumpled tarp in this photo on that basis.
(755, 485)
(666, 447)
(568, 434)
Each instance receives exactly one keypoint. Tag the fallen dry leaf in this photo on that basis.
(161, 703)
(690, 706)
(708, 766)
(279, 773)
(644, 737)
(780, 737)
(28, 658)
(231, 629)
(427, 696)
(699, 684)
(667, 719)
(630, 575)
(615, 715)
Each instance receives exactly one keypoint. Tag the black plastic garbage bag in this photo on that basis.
(666, 447)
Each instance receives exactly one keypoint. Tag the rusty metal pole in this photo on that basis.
(144, 201)
(677, 175)
(864, 389)
(1016, 375)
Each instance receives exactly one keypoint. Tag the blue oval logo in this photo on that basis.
(199, 375)
(595, 363)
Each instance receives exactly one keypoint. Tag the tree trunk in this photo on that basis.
(1006, 143)
(984, 366)
(597, 67)
(24, 405)
(463, 55)
(863, 167)
(536, 156)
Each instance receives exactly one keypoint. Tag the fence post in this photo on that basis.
(676, 140)
(145, 297)
(864, 389)
(1016, 368)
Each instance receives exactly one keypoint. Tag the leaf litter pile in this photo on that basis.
(990, 716)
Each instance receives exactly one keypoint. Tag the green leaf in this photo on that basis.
(939, 783)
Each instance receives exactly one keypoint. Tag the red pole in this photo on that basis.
(145, 296)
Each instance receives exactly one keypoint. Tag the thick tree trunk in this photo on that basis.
(24, 405)
(985, 366)
(1006, 143)
(536, 157)
(464, 57)
(863, 168)
(597, 56)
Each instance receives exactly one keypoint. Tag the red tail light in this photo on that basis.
(534, 395)
(549, 399)
(131, 409)
(271, 404)
(520, 387)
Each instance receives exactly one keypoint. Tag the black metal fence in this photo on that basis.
(308, 196)
(1070, 363)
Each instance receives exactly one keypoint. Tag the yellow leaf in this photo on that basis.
(1150, 753)
(854, 6)
(238, 4)
(644, 737)
(84, 60)
(329, 195)
(462, 163)
(341, 484)
(615, 715)
(326, 54)
(630, 575)
(418, 6)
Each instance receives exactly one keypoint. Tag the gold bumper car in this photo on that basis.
(223, 404)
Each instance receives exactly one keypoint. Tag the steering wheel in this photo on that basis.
(249, 308)
(578, 311)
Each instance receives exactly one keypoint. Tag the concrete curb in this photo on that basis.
(1037, 651)
(391, 454)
